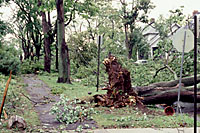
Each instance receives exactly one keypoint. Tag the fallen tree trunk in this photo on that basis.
(170, 97)
(159, 87)
(165, 95)
(188, 81)
(150, 91)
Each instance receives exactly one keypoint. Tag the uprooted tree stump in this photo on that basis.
(119, 91)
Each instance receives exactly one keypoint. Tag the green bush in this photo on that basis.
(29, 66)
(9, 59)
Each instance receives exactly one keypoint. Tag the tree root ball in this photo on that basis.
(119, 91)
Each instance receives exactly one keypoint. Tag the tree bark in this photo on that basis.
(37, 49)
(188, 81)
(32, 54)
(36, 42)
(167, 92)
(28, 46)
(63, 61)
(130, 50)
(170, 97)
(25, 48)
(47, 41)
(47, 55)
(159, 87)
(56, 57)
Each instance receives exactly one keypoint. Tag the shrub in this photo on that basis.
(9, 59)
(29, 66)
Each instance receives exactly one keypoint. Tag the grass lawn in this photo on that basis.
(117, 118)
(132, 117)
(74, 90)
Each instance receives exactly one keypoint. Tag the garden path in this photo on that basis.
(40, 95)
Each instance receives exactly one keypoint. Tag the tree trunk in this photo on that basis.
(127, 41)
(36, 42)
(170, 97)
(167, 92)
(188, 81)
(28, 45)
(47, 41)
(159, 87)
(37, 49)
(24, 48)
(32, 54)
(63, 61)
(130, 50)
(56, 56)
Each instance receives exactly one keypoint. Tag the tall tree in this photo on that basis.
(167, 27)
(137, 13)
(64, 62)
(29, 26)
(66, 13)
(46, 28)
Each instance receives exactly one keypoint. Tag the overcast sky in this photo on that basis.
(163, 7)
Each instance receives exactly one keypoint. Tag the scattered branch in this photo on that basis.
(33, 100)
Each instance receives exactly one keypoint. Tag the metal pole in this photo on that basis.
(195, 74)
(98, 61)
(178, 109)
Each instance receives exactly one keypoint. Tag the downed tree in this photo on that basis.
(164, 86)
(120, 93)
(167, 92)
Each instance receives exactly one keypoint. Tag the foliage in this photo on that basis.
(164, 26)
(139, 44)
(27, 14)
(166, 52)
(28, 66)
(4, 29)
(8, 52)
(69, 112)
(82, 51)
(85, 9)
(28, 27)
(109, 25)
(9, 58)
(143, 74)
(138, 12)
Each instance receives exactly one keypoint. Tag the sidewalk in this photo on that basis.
(148, 130)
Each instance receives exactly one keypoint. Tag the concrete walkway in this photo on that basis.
(148, 130)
